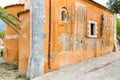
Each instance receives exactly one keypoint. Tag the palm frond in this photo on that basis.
(9, 19)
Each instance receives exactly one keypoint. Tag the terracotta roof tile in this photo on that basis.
(22, 12)
(8, 6)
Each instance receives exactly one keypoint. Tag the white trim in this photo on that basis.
(16, 36)
(63, 9)
(95, 29)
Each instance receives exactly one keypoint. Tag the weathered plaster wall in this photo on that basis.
(24, 42)
(36, 60)
(11, 50)
(66, 46)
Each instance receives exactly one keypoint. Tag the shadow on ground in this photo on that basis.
(10, 72)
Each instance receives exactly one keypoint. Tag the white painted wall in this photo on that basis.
(26, 2)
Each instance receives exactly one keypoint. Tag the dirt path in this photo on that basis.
(10, 72)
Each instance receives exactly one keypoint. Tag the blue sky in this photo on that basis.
(103, 2)
(2, 26)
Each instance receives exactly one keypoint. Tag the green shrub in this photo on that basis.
(2, 34)
(118, 27)
(1, 53)
(23, 77)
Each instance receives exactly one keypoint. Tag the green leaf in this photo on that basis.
(10, 19)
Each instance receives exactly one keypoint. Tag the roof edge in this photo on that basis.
(101, 6)
(22, 12)
(8, 6)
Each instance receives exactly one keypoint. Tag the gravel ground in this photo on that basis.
(101, 68)
(10, 72)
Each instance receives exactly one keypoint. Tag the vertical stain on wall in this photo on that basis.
(64, 41)
(80, 25)
(107, 30)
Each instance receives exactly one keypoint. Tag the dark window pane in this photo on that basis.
(63, 15)
(92, 29)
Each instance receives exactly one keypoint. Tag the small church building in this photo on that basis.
(57, 33)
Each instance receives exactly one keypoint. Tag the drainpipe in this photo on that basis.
(115, 37)
(49, 45)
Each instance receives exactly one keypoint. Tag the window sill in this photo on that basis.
(92, 36)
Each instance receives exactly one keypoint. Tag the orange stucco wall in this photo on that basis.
(71, 54)
(65, 48)
(11, 50)
(24, 42)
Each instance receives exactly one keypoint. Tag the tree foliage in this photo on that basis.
(114, 5)
(9, 19)
(118, 30)
(2, 34)
(118, 27)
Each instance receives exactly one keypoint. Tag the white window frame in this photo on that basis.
(95, 29)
